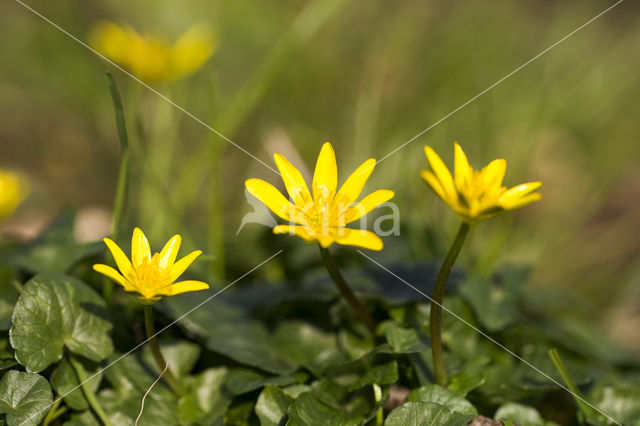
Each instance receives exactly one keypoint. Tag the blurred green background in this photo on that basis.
(287, 76)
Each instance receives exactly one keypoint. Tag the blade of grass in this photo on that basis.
(122, 189)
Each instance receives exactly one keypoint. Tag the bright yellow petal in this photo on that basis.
(325, 176)
(299, 231)
(352, 187)
(360, 238)
(441, 172)
(139, 247)
(367, 204)
(109, 272)
(516, 192)
(182, 287)
(293, 180)
(191, 50)
(181, 265)
(118, 255)
(493, 173)
(112, 41)
(434, 183)
(272, 198)
(170, 252)
(463, 171)
(523, 201)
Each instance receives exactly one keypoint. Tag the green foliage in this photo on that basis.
(426, 414)
(58, 312)
(24, 398)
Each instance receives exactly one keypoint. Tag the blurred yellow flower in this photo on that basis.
(13, 189)
(476, 195)
(150, 58)
(151, 276)
(323, 216)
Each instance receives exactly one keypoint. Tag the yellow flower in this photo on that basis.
(13, 189)
(150, 58)
(323, 216)
(151, 276)
(476, 195)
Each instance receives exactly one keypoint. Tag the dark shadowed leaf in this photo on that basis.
(56, 250)
(58, 311)
(384, 374)
(242, 380)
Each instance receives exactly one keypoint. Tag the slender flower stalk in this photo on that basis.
(346, 291)
(123, 177)
(474, 196)
(435, 315)
(157, 354)
(321, 215)
(81, 375)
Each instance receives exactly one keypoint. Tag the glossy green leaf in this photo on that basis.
(404, 340)
(519, 414)
(25, 398)
(309, 410)
(56, 312)
(206, 397)
(272, 406)
(181, 355)
(464, 382)
(425, 414)
(443, 396)
(619, 398)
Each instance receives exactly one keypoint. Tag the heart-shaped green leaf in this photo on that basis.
(24, 398)
(426, 414)
(443, 396)
(58, 311)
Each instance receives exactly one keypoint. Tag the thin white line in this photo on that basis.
(496, 83)
(500, 345)
(104, 58)
(157, 333)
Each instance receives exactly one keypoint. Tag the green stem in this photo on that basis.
(86, 389)
(377, 395)
(435, 318)
(54, 412)
(155, 349)
(346, 292)
(564, 373)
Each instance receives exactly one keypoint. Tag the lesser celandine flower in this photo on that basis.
(320, 215)
(13, 190)
(151, 277)
(152, 58)
(474, 196)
